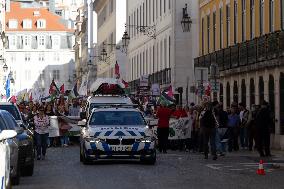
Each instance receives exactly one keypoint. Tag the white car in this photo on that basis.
(116, 133)
(5, 182)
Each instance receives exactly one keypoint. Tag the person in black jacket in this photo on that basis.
(208, 128)
(263, 123)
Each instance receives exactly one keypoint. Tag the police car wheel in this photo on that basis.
(151, 160)
(85, 160)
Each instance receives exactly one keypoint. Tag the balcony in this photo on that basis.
(258, 53)
(162, 77)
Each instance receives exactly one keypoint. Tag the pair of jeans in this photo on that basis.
(64, 140)
(233, 138)
(244, 137)
(221, 145)
(41, 143)
(163, 135)
(209, 134)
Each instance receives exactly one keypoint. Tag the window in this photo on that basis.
(153, 11)
(261, 17)
(13, 57)
(41, 40)
(111, 6)
(27, 24)
(214, 30)
(55, 74)
(13, 24)
(282, 14)
(208, 33)
(252, 19)
(243, 20)
(41, 57)
(41, 24)
(27, 41)
(27, 57)
(169, 65)
(271, 15)
(146, 12)
(235, 21)
(160, 7)
(12, 40)
(221, 28)
(165, 4)
(202, 32)
(228, 24)
(55, 41)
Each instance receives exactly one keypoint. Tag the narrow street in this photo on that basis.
(63, 170)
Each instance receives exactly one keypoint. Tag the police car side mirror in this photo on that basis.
(82, 123)
(83, 115)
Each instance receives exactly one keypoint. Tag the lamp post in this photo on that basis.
(186, 20)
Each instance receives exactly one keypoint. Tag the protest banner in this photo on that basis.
(66, 125)
(179, 128)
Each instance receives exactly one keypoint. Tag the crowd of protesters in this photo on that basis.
(225, 130)
(38, 115)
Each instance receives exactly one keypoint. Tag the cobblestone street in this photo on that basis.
(63, 170)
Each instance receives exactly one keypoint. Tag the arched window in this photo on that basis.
(221, 95)
(243, 92)
(228, 100)
(281, 88)
(252, 92)
(261, 89)
(235, 92)
(271, 97)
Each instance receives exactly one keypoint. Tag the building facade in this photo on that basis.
(245, 38)
(167, 54)
(2, 44)
(39, 49)
(111, 19)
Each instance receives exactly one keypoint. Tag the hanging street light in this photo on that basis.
(104, 54)
(186, 20)
(125, 39)
(5, 67)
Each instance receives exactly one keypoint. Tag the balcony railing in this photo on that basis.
(263, 48)
(161, 77)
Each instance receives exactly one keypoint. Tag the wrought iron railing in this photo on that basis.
(263, 48)
(162, 77)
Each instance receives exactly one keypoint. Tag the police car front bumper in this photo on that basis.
(102, 150)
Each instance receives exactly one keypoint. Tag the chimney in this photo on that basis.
(52, 6)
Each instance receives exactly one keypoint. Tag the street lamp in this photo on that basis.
(150, 31)
(5, 67)
(186, 20)
(125, 39)
(104, 55)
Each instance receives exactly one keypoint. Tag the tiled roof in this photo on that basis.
(53, 21)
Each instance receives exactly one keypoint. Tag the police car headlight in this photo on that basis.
(93, 140)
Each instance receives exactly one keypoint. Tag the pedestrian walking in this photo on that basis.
(41, 122)
(263, 123)
(244, 118)
(208, 126)
(233, 129)
(221, 138)
(163, 114)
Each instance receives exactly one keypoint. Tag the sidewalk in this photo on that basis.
(277, 159)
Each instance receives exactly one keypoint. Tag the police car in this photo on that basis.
(116, 133)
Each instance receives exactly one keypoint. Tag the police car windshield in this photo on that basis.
(12, 110)
(104, 118)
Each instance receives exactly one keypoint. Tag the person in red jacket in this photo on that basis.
(163, 114)
(179, 112)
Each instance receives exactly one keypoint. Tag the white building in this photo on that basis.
(167, 57)
(110, 28)
(2, 28)
(39, 50)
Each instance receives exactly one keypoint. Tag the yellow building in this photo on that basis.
(245, 39)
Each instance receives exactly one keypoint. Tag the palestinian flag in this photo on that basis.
(166, 97)
(53, 90)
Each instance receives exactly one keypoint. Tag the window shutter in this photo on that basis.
(63, 43)
(34, 42)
